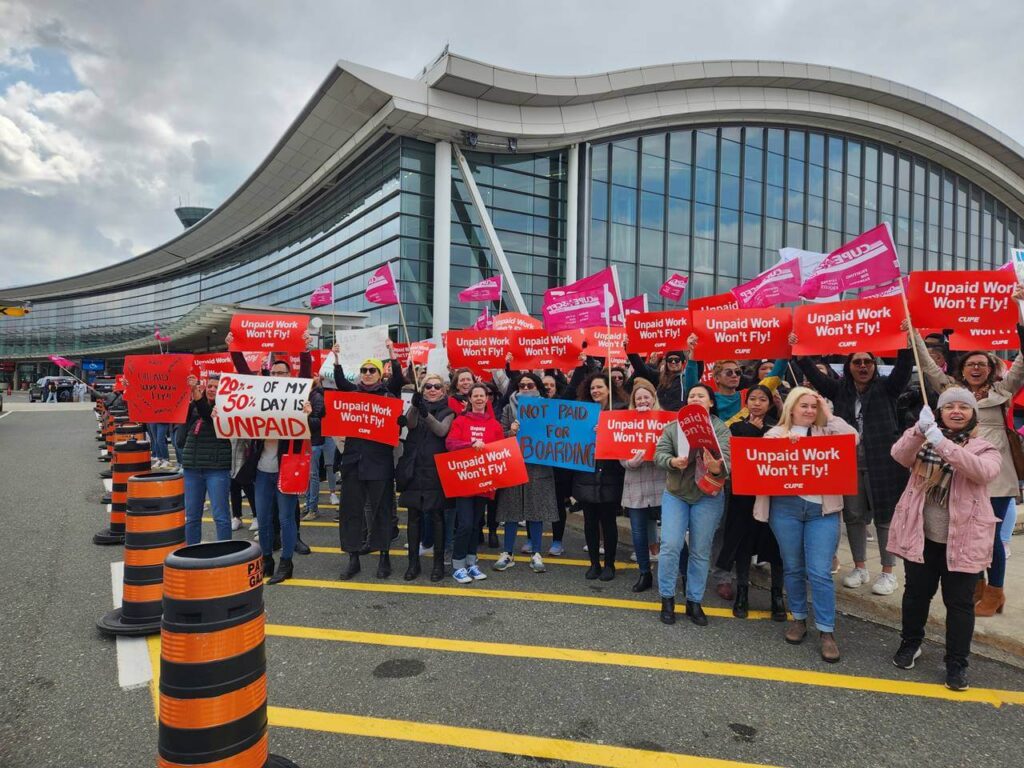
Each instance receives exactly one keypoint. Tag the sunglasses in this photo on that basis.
(730, 372)
(368, 370)
(430, 386)
(527, 385)
(862, 363)
(673, 359)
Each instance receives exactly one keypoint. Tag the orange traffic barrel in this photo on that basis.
(213, 681)
(112, 438)
(130, 458)
(154, 527)
(129, 431)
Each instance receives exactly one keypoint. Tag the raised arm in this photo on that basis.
(936, 379)
(897, 381)
(825, 385)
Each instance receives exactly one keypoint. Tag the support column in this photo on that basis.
(572, 204)
(442, 237)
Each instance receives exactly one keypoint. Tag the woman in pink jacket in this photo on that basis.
(943, 525)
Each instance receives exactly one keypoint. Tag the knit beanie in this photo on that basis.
(958, 395)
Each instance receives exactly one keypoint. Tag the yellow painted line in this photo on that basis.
(491, 741)
(692, 666)
(472, 590)
(153, 645)
(334, 524)
(487, 556)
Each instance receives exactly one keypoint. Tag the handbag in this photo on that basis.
(708, 483)
(1016, 449)
(293, 474)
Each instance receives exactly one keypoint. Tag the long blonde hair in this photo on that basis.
(786, 419)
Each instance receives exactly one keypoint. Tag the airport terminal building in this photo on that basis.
(703, 168)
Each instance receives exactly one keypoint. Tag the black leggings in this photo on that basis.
(415, 532)
(558, 526)
(236, 498)
(599, 522)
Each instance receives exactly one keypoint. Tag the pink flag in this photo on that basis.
(634, 306)
(774, 286)
(382, 288)
(322, 296)
(866, 261)
(485, 322)
(485, 290)
(587, 303)
(62, 362)
(895, 288)
(674, 287)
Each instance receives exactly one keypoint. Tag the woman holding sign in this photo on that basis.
(206, 463)
(473, 429)
(692, 503)
(940, 529)
(979, 373)
(807, 527)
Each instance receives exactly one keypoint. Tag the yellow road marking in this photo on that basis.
(499, 594)
(491, 741)
(486, 556)
(334, 524)
(692, 666)
(153, 645)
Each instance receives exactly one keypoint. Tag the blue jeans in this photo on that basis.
(535, 530)
(699, 519)
(644, 529)
(1006, 529)
(199, 483)
(1001, 506)
(329, 449)
(51, 397)
(807, 540)
(266, 491)
(313, 492)
(469, 513)
(158, 441)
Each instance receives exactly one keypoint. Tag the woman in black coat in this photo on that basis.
(429, 419)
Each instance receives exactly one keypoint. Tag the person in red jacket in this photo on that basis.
(474, 428)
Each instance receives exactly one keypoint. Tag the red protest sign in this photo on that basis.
(478, 350)
(621, 433)
(221, 362)
(963, 300)
(514, 321)
(811, 466)
(718, 301)
(657, 331)
(159, 388)
(606, 343)
(696, 430)
(539, 349)
(416, 352)
(268, 333)
(741, 333)
(983, 338)
(857, 325)
(357, 414)
(470, 472)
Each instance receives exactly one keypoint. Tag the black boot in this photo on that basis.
(437, 572)
(283, 572)
(668, 610)
(593, 572)
(644, 582)
(268, 566)
(384, 565)
(413, 570)
(607, 573)
(353, 568)
(492, 540)
(696, 613)
(741, 606)
(301, 547)
(778, 606)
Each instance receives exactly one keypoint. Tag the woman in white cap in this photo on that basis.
(943, 525)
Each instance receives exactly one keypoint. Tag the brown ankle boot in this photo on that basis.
(796, 631)
(991, 603)
(829, 648)
(979, 590)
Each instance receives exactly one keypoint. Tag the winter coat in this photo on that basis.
(536, 500)
(203, 449)
(972, 523)
(470, 427)
(424, 441)
(991, 414)
(604, 484)
(829, 504)
(316, 416)
(880, 424)
(643, 484)
(372, 460)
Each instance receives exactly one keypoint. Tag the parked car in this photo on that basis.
(65, 387)
(102, 385)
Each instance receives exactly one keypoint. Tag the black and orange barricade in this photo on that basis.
(129, 430)
(213, 681)
(112, 438)
(154, 527)
(130, 458)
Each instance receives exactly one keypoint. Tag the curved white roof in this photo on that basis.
(357, 105)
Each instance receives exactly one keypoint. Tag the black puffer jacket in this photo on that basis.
(604, 484)
(203, 449)
(424, 441)
(374, 461)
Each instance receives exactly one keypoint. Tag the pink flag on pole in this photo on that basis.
(895, 288)
(62, 362)
(485, 290)
(382, 288)
(634, 306)
(322, 296)
(587, 303)
(774, 286)
(674, 287)
(866, 261)
(485, 322)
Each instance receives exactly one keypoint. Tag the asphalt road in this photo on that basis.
(540, 671)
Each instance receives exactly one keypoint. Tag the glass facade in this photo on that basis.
(717, 203)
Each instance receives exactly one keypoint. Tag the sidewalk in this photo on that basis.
(1000, 637)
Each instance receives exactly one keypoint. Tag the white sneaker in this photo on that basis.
(632, 557)
(475, 573)
(505, 561)
(885, 584)
(856, 578)
(425, 550)
(236, 523)
(334, 498)
(587, 549)
(537, 563)
(255, 525)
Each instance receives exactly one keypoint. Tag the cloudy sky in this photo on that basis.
(112, 112)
